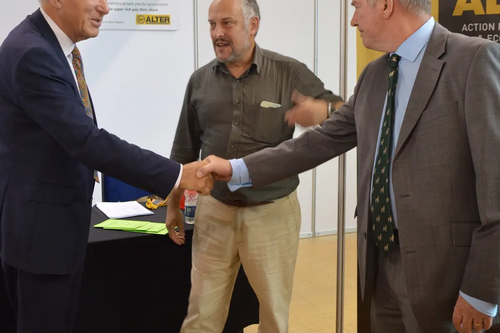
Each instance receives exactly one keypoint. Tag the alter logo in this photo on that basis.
(152, 19)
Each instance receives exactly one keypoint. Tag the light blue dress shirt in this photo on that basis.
(411, 52)
(241, 176)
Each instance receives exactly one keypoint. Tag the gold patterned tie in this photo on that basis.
(381, 210)
(82, 86)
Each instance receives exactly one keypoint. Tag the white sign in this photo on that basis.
(142, 15)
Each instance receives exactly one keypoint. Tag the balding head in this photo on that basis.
(79, 19)
(249, 9)
(385, 24)
(412, 6)
(233, 27)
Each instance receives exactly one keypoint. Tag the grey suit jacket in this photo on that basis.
(446, 171)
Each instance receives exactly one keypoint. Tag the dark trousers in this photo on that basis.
(7, 319)
(43, 303)
(391, 310)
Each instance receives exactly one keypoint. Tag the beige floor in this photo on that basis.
(313, 307)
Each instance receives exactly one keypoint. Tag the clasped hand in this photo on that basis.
(190, 181)
(197, 176)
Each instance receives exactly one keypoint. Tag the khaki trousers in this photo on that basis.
(265, 239)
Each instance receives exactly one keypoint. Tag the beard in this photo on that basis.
(235, 55)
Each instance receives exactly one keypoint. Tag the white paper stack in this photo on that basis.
(120, 210)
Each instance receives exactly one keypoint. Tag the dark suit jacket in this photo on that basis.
(445, 174)
(49, 148)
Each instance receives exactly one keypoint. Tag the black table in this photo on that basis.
(140, 283)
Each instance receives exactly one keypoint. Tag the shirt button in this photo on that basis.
(238, 102)
(236, 124)
(232, 146)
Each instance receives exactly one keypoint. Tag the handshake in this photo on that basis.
(200, 176)
(197, 176)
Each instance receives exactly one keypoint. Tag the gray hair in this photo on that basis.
(412, 6)
(250, 9)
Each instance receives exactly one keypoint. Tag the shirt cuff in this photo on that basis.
(178, 179)
(241, 176)
(481, 306)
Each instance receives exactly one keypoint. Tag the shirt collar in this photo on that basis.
(412, 47)
(257, 60)
(66, 43)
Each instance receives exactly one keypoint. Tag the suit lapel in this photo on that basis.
(93, 110)
(425, 83)
(42, 25)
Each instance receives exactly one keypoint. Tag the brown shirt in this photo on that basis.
(222, 115)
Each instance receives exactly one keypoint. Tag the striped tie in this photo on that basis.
(381, 209)
(82, 86)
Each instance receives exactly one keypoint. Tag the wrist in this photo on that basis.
(329, 110)
(175, 196)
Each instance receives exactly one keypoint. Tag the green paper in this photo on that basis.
(134, 226)
(164, 231)
(125, 224)
(104, 224)
(156, 227)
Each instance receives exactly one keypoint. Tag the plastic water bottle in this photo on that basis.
(190, 206)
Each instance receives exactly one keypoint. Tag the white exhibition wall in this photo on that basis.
(137, 80)
(288, 27)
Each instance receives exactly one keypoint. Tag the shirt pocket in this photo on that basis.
(266, 124)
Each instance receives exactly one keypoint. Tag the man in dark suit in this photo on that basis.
(50, 147)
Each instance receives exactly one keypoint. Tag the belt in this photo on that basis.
(241, 203)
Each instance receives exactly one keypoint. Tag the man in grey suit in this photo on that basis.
(425, 118)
